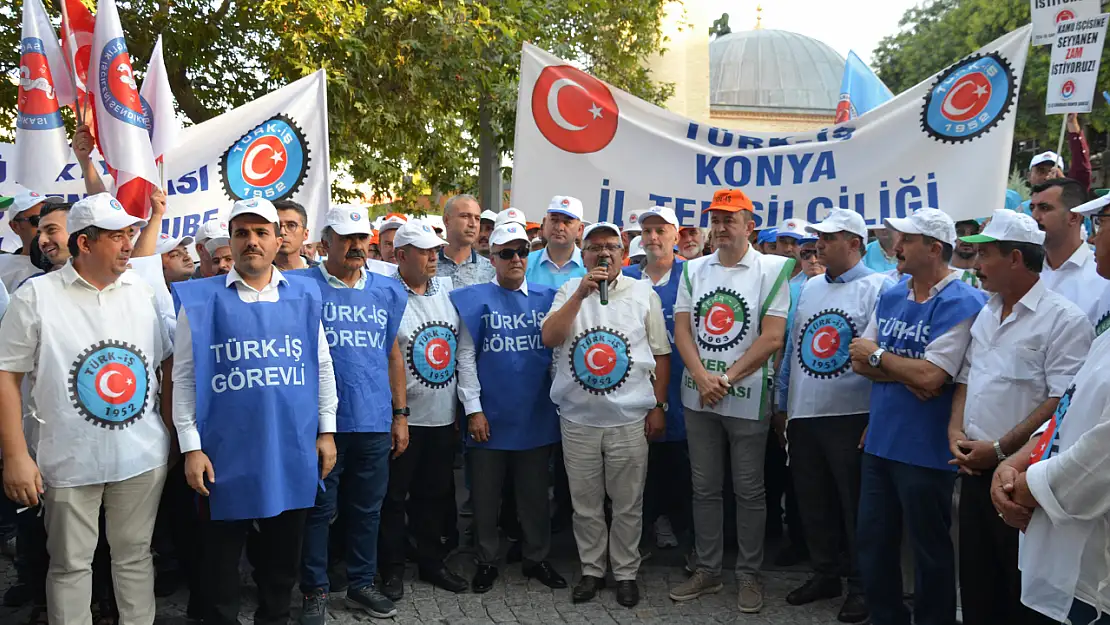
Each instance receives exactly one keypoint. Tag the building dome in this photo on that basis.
(773, 69)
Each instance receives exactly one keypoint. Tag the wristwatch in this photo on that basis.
(401, 412)
(724, 378)
(998, 451)
(876, 357)
(662, 404)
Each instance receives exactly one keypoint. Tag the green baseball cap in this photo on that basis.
(5, 202)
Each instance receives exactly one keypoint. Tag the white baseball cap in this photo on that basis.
(601, 225)
(793, 228)
(100, 210)
(841, 220)
(213, 228)
(255, 206)
(1047, 157)
(167, 244)
(666, 214)
(419, 234)
(566, 205)
(636, 248)
(1092, 207)
(488, 215)
(930, 222)
(508, 233)
(216, 243)
(1008, 225)
(633, 223)
(508, 216)
(30, 199)
(392, 222)
(347, 219)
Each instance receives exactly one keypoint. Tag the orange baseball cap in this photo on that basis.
(531, 225)
(731, 200)
(374, 238)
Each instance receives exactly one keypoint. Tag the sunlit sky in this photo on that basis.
(858, 25)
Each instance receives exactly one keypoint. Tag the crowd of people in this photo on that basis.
(305, 405)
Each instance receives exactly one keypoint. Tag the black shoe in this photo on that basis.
(854, 609)
(314, 608)
(17, 596)
(393, 585)
(587, 588)
(628, 593)
(515, 553)
(370, 599)
(483, 578)
(545, 574)
(38, 616)
(792, 555)
(815, 588)
(444, 578)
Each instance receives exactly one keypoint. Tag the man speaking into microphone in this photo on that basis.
(609, 344)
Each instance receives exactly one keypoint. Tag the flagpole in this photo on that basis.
(1063, 129)
(71, 64)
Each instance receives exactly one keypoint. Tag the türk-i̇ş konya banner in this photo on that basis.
(275, 147)
(943, 143)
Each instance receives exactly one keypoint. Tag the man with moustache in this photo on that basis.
(386, 232)
(1027, 344)
(691, 243)
(1069, 265)
(667, 492)
(459, 260)
(964, 256)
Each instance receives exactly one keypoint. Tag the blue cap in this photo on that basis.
(767, 235)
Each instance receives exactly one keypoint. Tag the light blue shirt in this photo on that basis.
(876, 259)
(339, 284)
(543, 270)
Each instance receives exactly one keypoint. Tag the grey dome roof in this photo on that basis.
(773, 69)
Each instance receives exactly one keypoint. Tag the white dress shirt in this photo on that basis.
(184, 374)
(466, 363)
(1014, 364)
(14, 269)
(1076, 279)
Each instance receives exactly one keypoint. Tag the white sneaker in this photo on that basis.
(664, 534)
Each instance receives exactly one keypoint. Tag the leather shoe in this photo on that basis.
(587, 588)
(444, 578)
(854, 609)
(545, 574)
(483, 578)
(815, 588)
(628, 593)
(393, 586)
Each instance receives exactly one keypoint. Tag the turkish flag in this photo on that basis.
(77, 36)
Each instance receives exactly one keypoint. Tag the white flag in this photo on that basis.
(157, 101)
(44, 88)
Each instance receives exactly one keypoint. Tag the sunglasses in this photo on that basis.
(33, 220)
(507, 254)
(808, 254)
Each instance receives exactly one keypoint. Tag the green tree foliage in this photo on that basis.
(404, 76)
(940, 32)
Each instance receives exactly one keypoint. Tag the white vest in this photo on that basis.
(429, 339)
(1101, 316)
(603, 371)
(828, 317)
(725, 322)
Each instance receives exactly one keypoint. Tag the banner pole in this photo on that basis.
(1063, 129)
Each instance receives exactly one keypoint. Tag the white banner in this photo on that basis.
(1073, 73)
(1047, 14)
(274, 147)
(944, 143)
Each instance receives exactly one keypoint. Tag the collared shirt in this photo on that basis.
(339, 284)
(430, 290)
(470, 389)
(543, 270)
(1076, 279)
(14, 269)
(1014, 364)
(474, 270)
(656, 324)
(184, 374)
(945, 351)
(968, 275)
(876, 258)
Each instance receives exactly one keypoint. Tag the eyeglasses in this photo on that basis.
(597, 249)
(807, 254)
(508, 253)
(33, 220)
(291, 226)
(1096, 222)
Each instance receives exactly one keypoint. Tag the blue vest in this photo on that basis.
(514, 367)
(668, 293)
(257, 384)
(361, 325)
(902, 427)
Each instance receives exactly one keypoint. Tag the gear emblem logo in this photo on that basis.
(600, 360)
(823, 344)
(431, 354)
(1103, 324)
(269, 162)
(969, 98)
(722, 319)
(1049, 442)
(109, 385)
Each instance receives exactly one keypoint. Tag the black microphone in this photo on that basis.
(604, 286)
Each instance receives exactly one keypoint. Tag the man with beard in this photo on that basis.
(218, 248)
(53, 234)
(484, 230)
(691, 243)
(1069, 265)
(963, 259)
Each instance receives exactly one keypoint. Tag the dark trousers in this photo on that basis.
(990, 582)
(825, 463)
(278, 557)
(31, 557)
(780, 495)
(424, 475)
(179, 525)
(362, 473)
(529, 468)
(668, 488)
(560, 484)
(891, 492)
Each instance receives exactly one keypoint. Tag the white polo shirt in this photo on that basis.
(1013, 365)
(1077, 280)
(94, 355)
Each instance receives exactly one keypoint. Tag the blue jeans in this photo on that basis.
(362, 460)
(893, 493)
